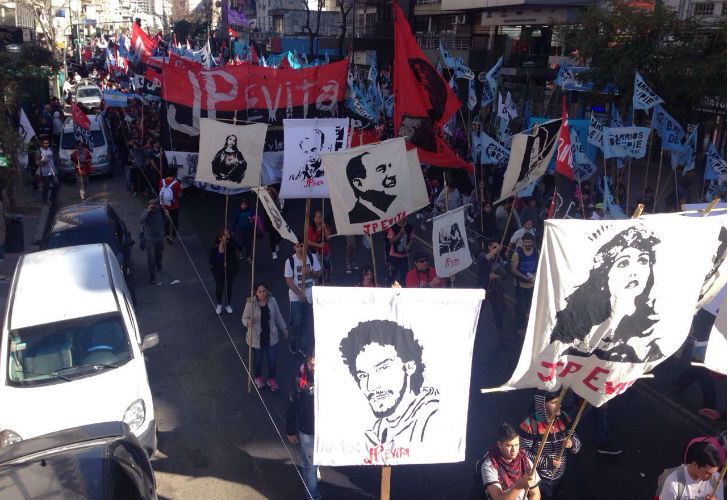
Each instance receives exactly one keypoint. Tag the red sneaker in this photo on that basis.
(273, 385)
(259, 382)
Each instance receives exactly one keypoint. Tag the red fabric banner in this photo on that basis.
(423, 101)
(562, 203)
(79, 118)
(141, 43)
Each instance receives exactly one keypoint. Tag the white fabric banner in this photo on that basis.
(388, 389)
(230, 155)
(608, 305)
(644, 97)
(279, 223)
(373, 186)
(492, 151)
(596, 130)
(715, 280)
(715, 352)
(530, 157)
(25, 129)
(450, 243)
(303, 142)
(186, 164)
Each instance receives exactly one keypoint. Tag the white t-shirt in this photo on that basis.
(694, 490)
(49, 168)
(517, 238)
(288, 273)
(490, 476)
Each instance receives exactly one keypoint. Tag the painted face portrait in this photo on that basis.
(382, 377)
(628, 276)
(379, 176)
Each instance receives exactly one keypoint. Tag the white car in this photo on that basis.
(71, 352)
(89, 95)
(100, 154)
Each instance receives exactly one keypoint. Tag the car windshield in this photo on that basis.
(82, 236)
(89, 92)
(66, 350)
(68, 141)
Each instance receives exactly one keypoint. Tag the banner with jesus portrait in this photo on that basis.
(608, 304)
(230, 155)
(391, 388)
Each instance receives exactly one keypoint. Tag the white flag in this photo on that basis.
(390, 387)
(583, 167)
(303, 142)
(596, 131)
(643, 97)
(450, 243)
(374, 186)
(715, 358)
(472, 97)
(230, 155)
(608, 305)
(502, 109)
(511, 106)
(25, 129)
(279, 223)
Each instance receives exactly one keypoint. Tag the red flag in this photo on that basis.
(79, 118)
(232, 33)
(562, 203)
(253, 54)
(141, 43)
(423, 101)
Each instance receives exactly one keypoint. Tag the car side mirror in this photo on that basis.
(149, 341)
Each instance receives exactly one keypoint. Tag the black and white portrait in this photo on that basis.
(418, 130)
(387, 390)
(450, 239)
(228, 164)
(374, 184)
(310, 146)
(714, 275)
(385, 360)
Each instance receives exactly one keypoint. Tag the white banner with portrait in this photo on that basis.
(388, 390)
(715, 352)
(450, 243)
(303, 142)
(373, 186)
(608, 305)
(230, 155)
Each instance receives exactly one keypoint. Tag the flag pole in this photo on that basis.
(374, 260)
(647, 168)
(720, 478)
(252, 282)
(571, 431)
(548, 430)
(657, 185)
(384, 486)
(452, 280)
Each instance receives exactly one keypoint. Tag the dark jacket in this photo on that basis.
(299, 415)
(217, 264)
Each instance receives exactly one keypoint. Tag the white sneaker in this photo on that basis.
(228, 309)
(275, 255)
(218, 309)
(277, 248)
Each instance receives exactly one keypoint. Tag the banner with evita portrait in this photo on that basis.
(387, 390)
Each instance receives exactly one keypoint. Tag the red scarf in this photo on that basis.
(509, 472)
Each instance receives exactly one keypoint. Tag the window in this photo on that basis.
(703, 9)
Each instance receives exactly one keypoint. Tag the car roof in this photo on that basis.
(87, 85)
(62, 284)
(82, 215)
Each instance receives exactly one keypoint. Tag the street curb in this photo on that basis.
(45, 213)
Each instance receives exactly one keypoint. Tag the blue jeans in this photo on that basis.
(309, 469)
(268, 352)
(301, 319)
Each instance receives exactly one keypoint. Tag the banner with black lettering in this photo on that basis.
(596, 131)
(623, 142)
(608, 305)
(643, 96)
(450, 243)
(373, 186)
(531, 153)
(392, 374)
(304, 140)
(230, 155)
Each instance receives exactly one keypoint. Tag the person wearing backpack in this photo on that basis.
(170, 191)
(300, 281)
(696, 478)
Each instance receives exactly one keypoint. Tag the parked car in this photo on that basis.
(101, 153)
(89, 95)
(93, 223)
(100, 461)
(71, 352)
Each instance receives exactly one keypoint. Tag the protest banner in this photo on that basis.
(450, 243)
(624, 142)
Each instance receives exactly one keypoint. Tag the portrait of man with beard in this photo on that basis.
(374, 186)
(385, 360)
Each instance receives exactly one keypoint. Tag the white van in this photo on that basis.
(100, 154)
(71, 352)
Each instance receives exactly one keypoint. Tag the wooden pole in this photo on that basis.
(638, 211)
(387, 479)
(647, 168)
(374, 260)
(657, 185)
(548, 430)
(677, 196)
(572, 429)
(629, 177)
(252, 290)
(720, 478)
(710, 207)
(304, 264)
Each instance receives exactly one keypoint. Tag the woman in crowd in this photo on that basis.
(224, 266)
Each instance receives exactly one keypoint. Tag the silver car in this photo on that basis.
(89, 95)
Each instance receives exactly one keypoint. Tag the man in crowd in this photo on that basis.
(81, 159)
(48, 172)
(523, 268)
(506, 470)
(399, 237)
(422, 275)
(170, 191)
(491, 272)
(385, 360)
(301, 272)
(300, 422)
(152, 238)
(517, 238)
(696, 478)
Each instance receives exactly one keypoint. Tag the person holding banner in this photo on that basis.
(224, 266)
(523, 267)
(422, 275)
(81, 159)
(300, 281)
(697, 477)
(506, 470)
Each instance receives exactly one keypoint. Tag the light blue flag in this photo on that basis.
(462, 70)
(262, 61)
(389, 106)
(373, 67)
(668, 129)
(565, 76)
(686, 155)
(583, 166)
(439, 66)
(293, 61)
(611, 209)
(715, 166)
(472, 98)
(449, 61)
(616, 122)
(114, 98)
(490, 85)
(492, 152)
(453, 85)
(624, 142)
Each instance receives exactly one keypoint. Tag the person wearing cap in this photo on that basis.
(151, 236)
(551, 464)
(422, 275)
(598, 213)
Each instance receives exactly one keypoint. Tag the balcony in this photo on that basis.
(432, 41)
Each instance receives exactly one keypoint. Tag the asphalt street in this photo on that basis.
(218, 441)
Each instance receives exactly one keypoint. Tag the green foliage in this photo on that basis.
(192, 29)
(681, 60)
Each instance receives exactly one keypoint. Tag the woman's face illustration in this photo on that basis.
(629, 273)
(231, 141)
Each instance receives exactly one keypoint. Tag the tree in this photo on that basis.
(682, 60)
(313, 34)
(345, 7)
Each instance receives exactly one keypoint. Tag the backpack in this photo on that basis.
(310, 261)
(680, 481)
(166, 194)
